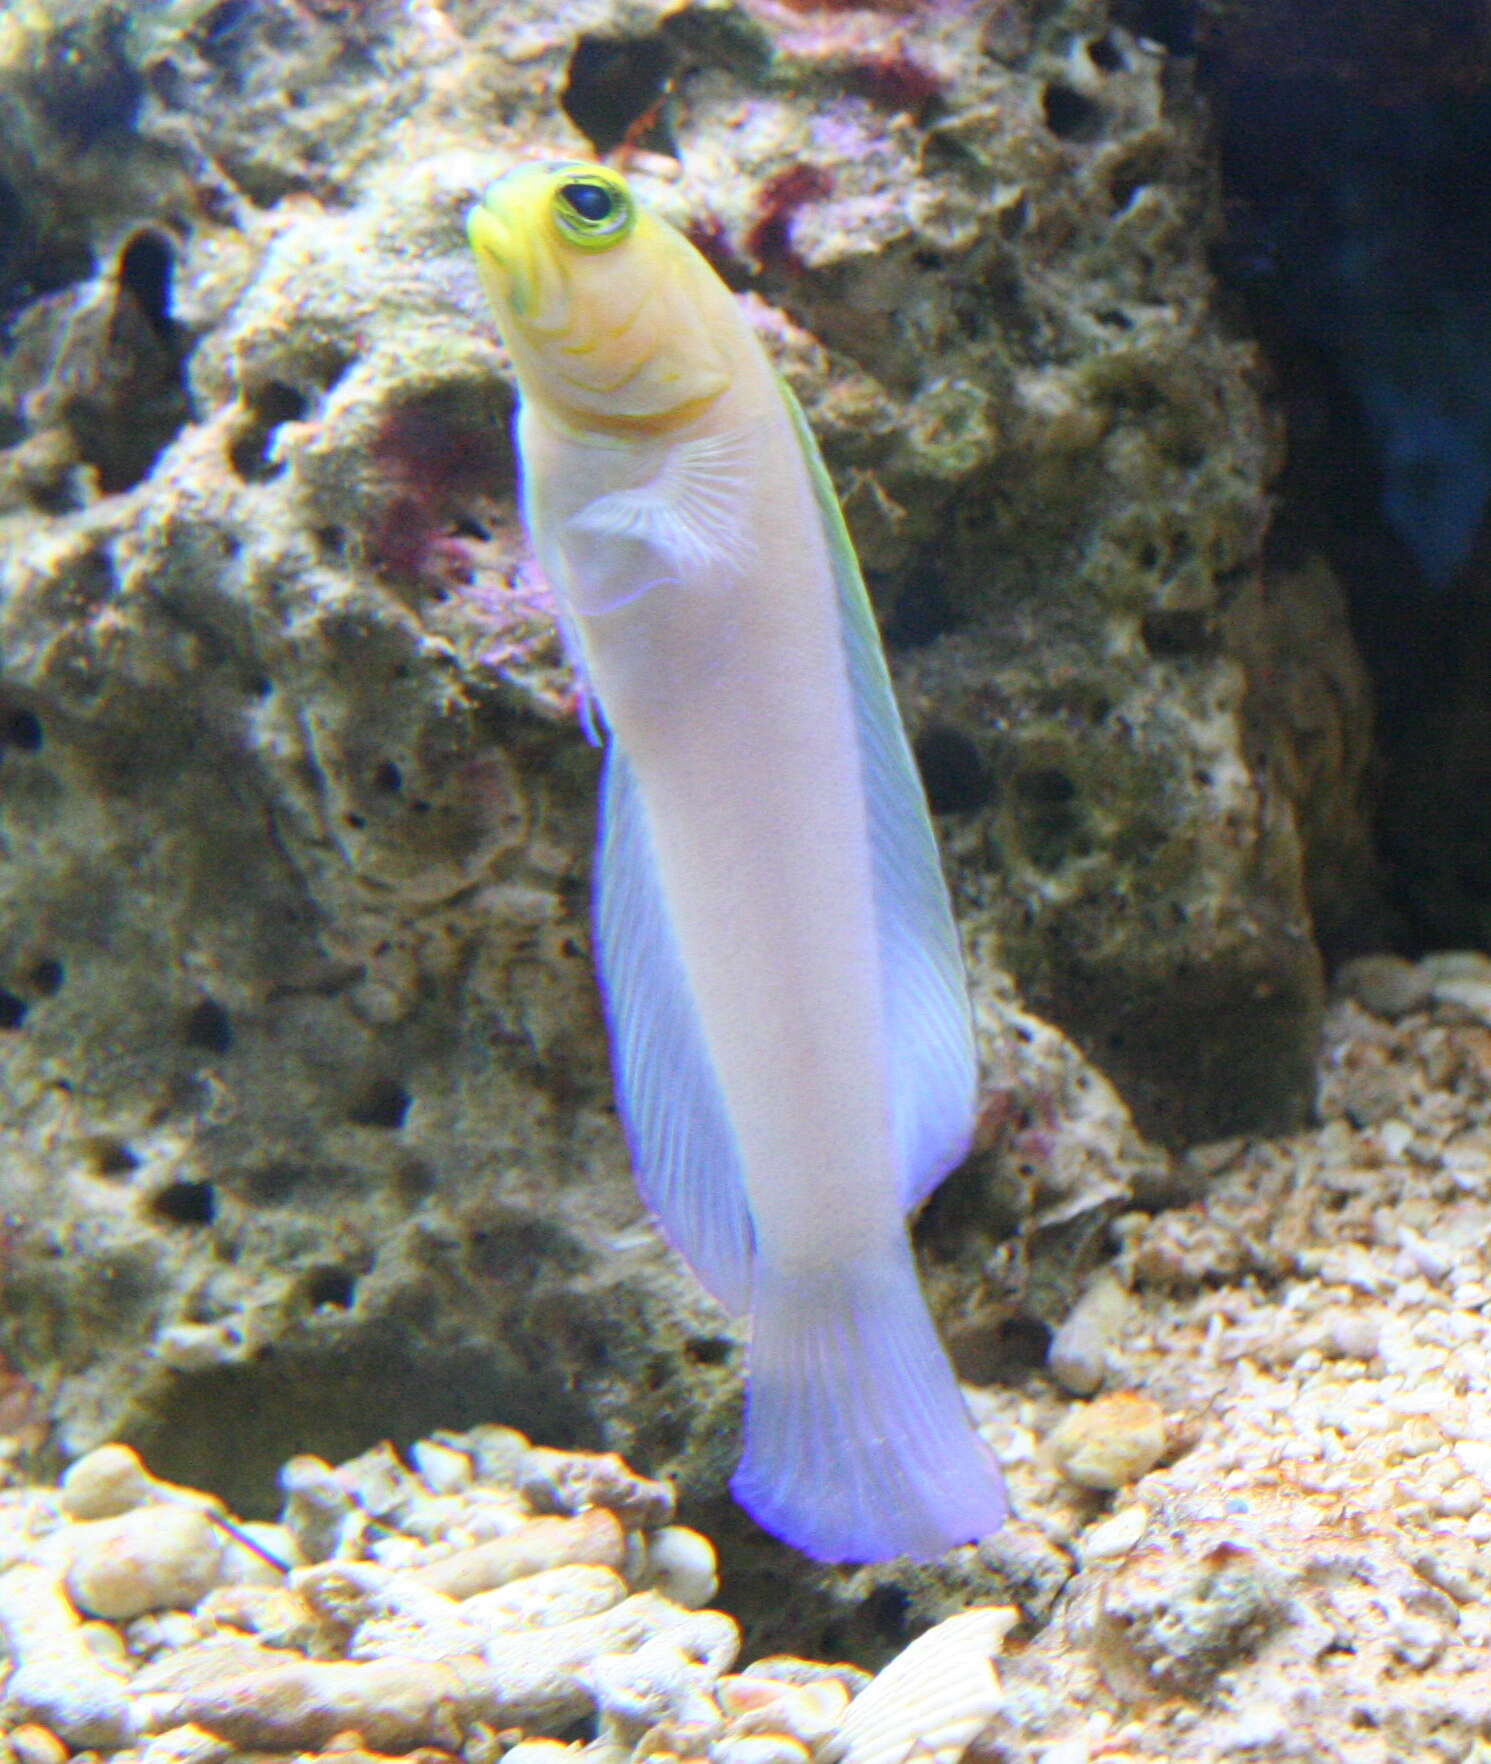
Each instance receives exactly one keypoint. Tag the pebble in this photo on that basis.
(1386, 985)
(682, 1565)
(104, 1483)
(149, 1559)
(34, 1744)
(442, 1470)
(760, 1748)
(1471, 996)
(1082, 1346)
(1115, 1536)
(569, 1482)
(1111, 1441)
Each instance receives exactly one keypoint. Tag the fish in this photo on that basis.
(788, 1015)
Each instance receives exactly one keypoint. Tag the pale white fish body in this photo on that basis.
(784, 993)
(728, 697)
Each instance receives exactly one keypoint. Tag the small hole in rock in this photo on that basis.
(1170, 632)
(1045, 784)
(1171, 23)
(384, 1104)
(388, 777)
(1103, 52)
(1024, 1343)
(206, 1026)
(1071, 114)
(47, 976)
(709, 1350)
(612, 85)
(22, 729)
(921, 613)
(111, 1157)
(332, 1287)
(273, 1183)
(12, 1010)
(145, 267)
(185, 1203)
(952, 772)
(270, 406)
(885, 1610)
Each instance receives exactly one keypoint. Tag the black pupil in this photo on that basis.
(589, 201)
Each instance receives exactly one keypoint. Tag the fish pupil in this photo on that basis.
(589, 201)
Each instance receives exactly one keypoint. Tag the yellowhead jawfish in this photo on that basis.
(784, 990)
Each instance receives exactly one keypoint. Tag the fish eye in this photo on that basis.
(593, 212)
(589, 201)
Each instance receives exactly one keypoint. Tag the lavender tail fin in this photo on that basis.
(858, 1445)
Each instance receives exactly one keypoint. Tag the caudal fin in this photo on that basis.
(858, 1445)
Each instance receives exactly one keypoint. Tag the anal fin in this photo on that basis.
(683, 1149)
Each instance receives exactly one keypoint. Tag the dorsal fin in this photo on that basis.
(931, 1053)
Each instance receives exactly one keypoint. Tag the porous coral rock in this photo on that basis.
(306, 1109)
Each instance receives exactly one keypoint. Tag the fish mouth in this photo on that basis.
(493, 242)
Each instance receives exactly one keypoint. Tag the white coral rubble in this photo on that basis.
(479, 1603)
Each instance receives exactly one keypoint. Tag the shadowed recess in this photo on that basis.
(614, 90)
(230, 1429)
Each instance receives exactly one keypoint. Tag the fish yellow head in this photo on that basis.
(613, 320)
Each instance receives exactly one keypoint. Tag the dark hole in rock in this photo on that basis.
(33, 261)
(333, 1287)
(611, 86)
(273, 1184)
(921, 613)
(134, 401)
(1045, 784)
(145, 269)
(1103, 52)
(952, 772)
(1171, 23)
(388, 777)
(271, 405)
(709, 1350)
(206, 1026)
(12, 1010)
(111, 1157)
(1124, 186)
(84, 81)
(22, 729)
(385, 1103)
(885, 1610)
(223, 33)
(1071, 114)
(185, 1202)
(47, 976)
(1170, 632)
(1024, 1343)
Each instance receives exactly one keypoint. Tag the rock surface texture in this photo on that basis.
(304, 1107)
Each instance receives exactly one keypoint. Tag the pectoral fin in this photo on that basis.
(688, 512)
